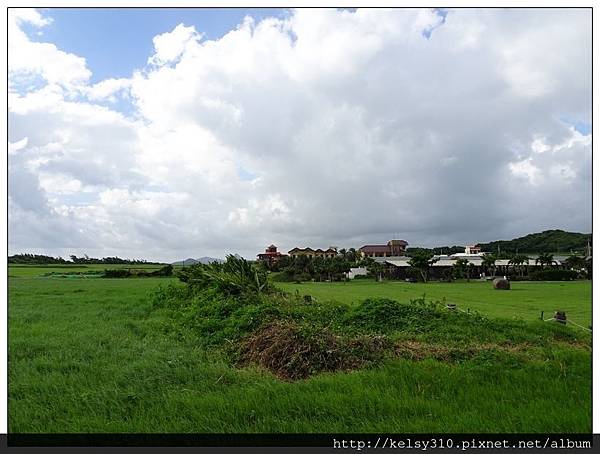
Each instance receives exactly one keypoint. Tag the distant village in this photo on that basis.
(393, 258)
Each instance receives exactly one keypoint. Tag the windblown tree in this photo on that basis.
(421, 261)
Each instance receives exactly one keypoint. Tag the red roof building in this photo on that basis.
(393, 248)
(270, 255)
(330, 252)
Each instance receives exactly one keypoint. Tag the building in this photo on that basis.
(271, 255)
(473, 249)
(296, 252)
(393, 248)
(360, 271)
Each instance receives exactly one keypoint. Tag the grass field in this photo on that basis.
(92, 355)
(40, 270)
(525, 299)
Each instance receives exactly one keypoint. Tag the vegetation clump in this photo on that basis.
(165, 271)
(383, 315)
(294, 351)
(232, 307)
(553, 275)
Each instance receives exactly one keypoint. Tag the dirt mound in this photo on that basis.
(293, 351)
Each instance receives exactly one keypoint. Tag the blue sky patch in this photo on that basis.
(115, 42)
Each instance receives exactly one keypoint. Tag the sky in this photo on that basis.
(171, 133)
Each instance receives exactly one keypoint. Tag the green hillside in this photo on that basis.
(552, 241)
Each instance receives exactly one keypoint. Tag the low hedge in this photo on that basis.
(553, 275)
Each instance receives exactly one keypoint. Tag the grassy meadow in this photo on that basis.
(96, 355)
(525, 299)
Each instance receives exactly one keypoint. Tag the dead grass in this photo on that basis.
(293, 352)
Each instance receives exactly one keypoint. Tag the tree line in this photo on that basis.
(548, 241)
(35, 259)
(575, 266)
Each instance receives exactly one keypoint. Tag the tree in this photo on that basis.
(545, 259)
(353, 255)
(340, 266)
(519, 261)
(460, 268)
(588, 267)
(319, 267)
(470, 268)
(421, 261)
(575, 262)
(489, 263)
(374, 268)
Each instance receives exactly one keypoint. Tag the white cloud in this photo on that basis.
(527, 170)
(354, 125)
(169, 46)
(27, 58)
(16, 146)
(108, 89)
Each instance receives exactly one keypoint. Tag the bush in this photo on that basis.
(118, 273)
(553, 275)
(382, 315)
(164, 271)
(236, 276)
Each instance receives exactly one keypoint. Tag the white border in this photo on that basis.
(272, 4)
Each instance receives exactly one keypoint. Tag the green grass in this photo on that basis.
(40, 270)
(525, 300)
(94, 356)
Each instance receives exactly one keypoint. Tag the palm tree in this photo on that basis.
(353, 256)
(460, 268)
(545, 259)
(519, 261)
(489, 263)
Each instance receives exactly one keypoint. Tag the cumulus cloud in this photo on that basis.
(28, 59)
(324, 127)
(169, 46)
(108, 89)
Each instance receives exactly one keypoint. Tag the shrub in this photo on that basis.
(236, 276)
(164, 271)
(381, 315)
(118, 273)
(553, 275)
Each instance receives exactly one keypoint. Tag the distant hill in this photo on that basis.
(551, 241)
(190, 261)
